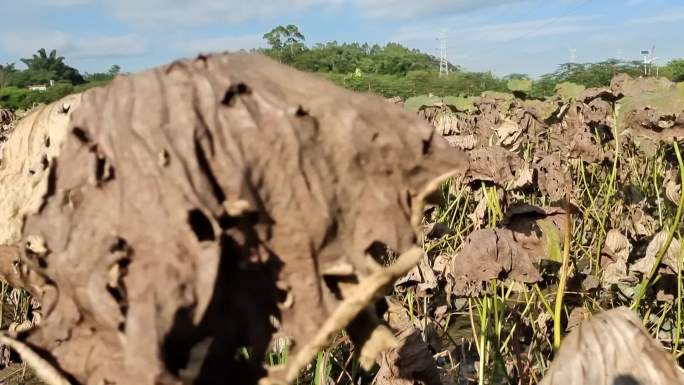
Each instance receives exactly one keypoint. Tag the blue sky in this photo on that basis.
(504, 36)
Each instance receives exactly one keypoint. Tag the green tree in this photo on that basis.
(43, 67)
(114, 70)
(285, 42)
(517, 76)
(7, 74)
(587, 74)
(100, 77)
(674, 70)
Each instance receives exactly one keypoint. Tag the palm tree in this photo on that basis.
(44, 63)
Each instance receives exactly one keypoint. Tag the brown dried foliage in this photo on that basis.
(192, 203)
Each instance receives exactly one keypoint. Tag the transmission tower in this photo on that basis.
(443, 62)
(573, 55)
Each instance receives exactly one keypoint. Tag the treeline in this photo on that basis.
(394, 70)
(389, 70)
(286, 44)
(49, 69)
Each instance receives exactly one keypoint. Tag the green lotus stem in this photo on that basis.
(563, 276)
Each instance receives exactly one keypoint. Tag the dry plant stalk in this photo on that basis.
(42, 367)
(357, 300)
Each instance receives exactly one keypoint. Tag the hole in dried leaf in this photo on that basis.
(300, 112)
(626, 380)
(426, 146)
(51, 182)
(44, 162)
(380, 252)
(117, 271)
(234, 90)
(81, 134)
(201, 225)
(177, 343)
(103, 170)
(203, 163)
(333, 283)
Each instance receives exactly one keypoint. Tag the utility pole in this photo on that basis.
(649, 61)
(644, 53)
(443, 62)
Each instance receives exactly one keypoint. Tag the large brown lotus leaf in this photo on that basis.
(190, 204)
(552, 179)
(645, 264)
(614, 256)
(612, 348)
(494, 164)
(411, 362)
(511, 250)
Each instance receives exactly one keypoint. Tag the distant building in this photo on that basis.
(38, 87)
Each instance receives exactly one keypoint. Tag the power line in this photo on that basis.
(521, 36)
(552, 21)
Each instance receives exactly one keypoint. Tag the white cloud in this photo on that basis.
(106, 47)
(22, 44)
(500, 32)
(412, 8)
(157, 13)
(220, 44)
(197, 12)
(506, 32)
(673, 15)
(62, 3)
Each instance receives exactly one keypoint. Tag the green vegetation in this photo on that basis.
(22, 98)
(44, 68)
(394, 70)
(569, 90)
(674, 70)
(587, 74)
(389, 70)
